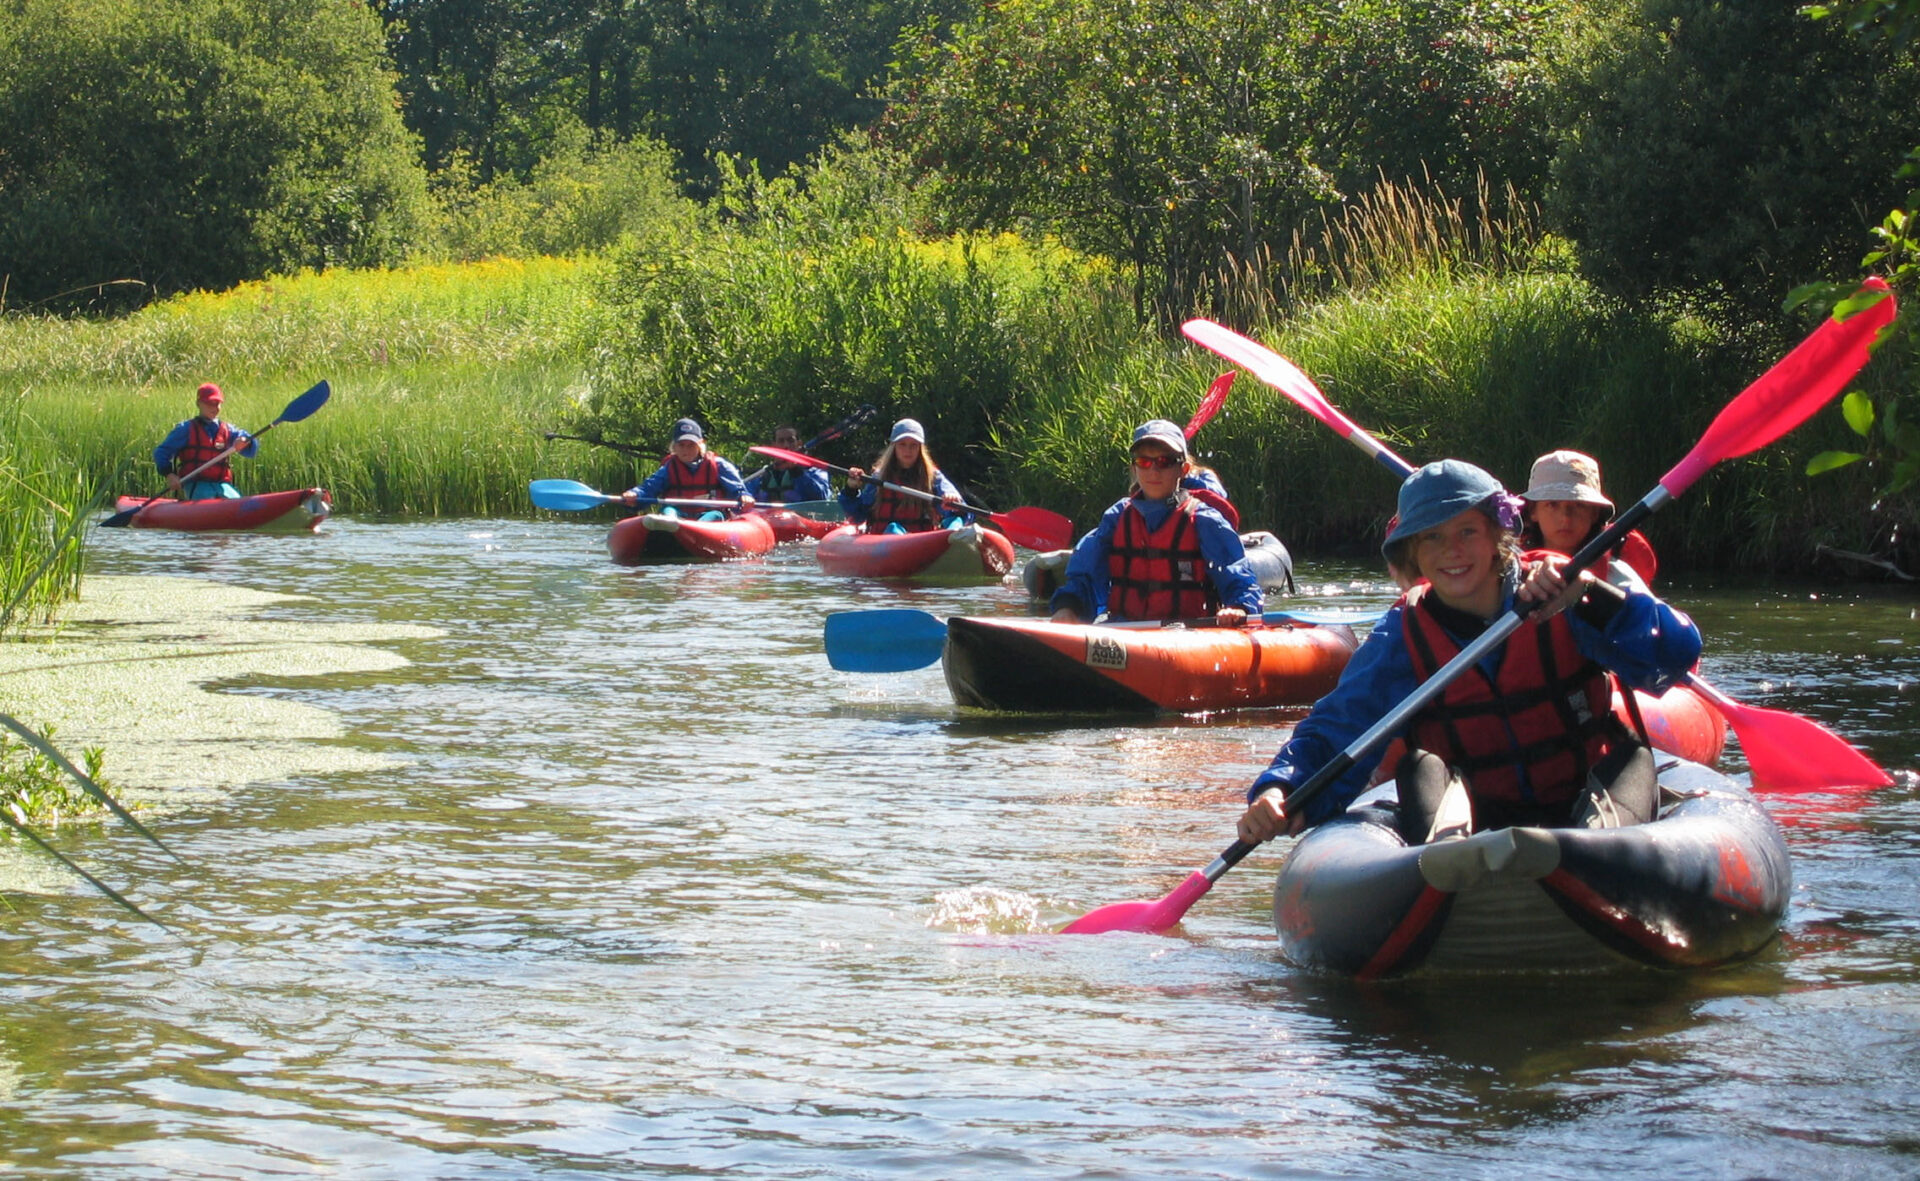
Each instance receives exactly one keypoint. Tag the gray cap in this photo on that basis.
(1161, 431)
(686, 428)
(1439, 492)
(907, 428)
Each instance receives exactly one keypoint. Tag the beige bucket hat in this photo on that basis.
(1566, 475)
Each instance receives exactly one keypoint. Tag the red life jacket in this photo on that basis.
(203, 443)
(910, 512)
(684, 483)
(1159, 573)
(1218, 504)
(1528, 736)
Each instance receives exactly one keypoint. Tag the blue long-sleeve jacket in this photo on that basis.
(1646, 643)
(1086, 583)
(859, 505)
(809, 483)
(731, 484)
(170, 446)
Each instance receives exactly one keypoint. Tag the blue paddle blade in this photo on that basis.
(306, 403)
(566, 496)
(887, 641)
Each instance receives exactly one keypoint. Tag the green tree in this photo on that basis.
(196, 143)
(1182, 135)
(1721, 152)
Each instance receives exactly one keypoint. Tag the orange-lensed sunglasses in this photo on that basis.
(1147, 463)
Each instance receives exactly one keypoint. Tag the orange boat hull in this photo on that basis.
(1031, 664)
(300, 510)
(969, 552)
(640, 541)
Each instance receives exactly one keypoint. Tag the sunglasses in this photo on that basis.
(1147, 463)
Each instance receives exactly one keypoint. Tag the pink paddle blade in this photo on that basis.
(1153, 918)
(1035, 528)
(1789, 753)
(1788, 394)
(1210, 405)
(1270, 367)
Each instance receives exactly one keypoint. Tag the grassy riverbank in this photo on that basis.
(447, 378)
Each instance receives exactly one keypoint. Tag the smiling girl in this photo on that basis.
(1529, 732)
(1161, 553)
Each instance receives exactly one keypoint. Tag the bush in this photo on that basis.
(196, 143)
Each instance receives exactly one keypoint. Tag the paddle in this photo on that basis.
(1209, 405)
(1784, 397)
(1035, 528)
(571, 496)
(296, 410)
(1784, 752)
(838, 430)
(623, 448)
(897, 639)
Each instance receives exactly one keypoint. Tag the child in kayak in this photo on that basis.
(781, 482)
(907, 463)
(1161, 553)
(691, 472)
(194, 442)
(1529, 734)
(1565, 507)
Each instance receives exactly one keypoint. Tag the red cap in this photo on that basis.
(211, 393)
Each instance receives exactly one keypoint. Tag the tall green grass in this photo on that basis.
(43, 508)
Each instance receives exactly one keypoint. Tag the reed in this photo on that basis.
(44, 503)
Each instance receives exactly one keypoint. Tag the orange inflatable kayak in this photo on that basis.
(1037, 665)
(639, 541)
(969, 552)
(300, 510)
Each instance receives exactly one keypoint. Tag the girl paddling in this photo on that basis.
(691, 472)
(197, 440)
(905, 462)
(1161, 553)
(1528, 736)
(1565, 507)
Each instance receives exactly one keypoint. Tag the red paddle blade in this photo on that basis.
(1789, 753)
(799, 457)
(1035, 528)
(1787, 394)
(1210, 405)
(1270, 367)
(1154, 918)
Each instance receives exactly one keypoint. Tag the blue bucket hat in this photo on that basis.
(907, 428)
(1441, 491)
(1161, 431)
(686, 428)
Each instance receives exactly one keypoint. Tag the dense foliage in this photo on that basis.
(197, 143)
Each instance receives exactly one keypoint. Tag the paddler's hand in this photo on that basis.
(630, 498)
(746, 501)
(950, 502)
(1067, 615)
(173, 481)
(1265, 819)
(1545, 584)
(855, 478)
(1231, 617)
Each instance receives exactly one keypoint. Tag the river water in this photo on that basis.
(643, 888)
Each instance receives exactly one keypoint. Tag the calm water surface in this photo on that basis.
(653, 891)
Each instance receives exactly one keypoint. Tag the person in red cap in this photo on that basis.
(194, 457)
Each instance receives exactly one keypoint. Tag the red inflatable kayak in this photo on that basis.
(969, 552)
(298, 511)
(638, 541)
(791, 526)
(1034, 664)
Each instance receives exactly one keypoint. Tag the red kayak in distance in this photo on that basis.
(788, 525)
(644, 540)
(969, 553)
(300, 510)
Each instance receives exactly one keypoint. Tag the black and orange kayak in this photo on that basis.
(1036, 665)
(657, 537)
(300, 510)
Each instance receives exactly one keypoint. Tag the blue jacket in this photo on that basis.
(730, 483)
(1647, 644)
(859, 505)
(809, 483)
(177, 438)
(1085, 586)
